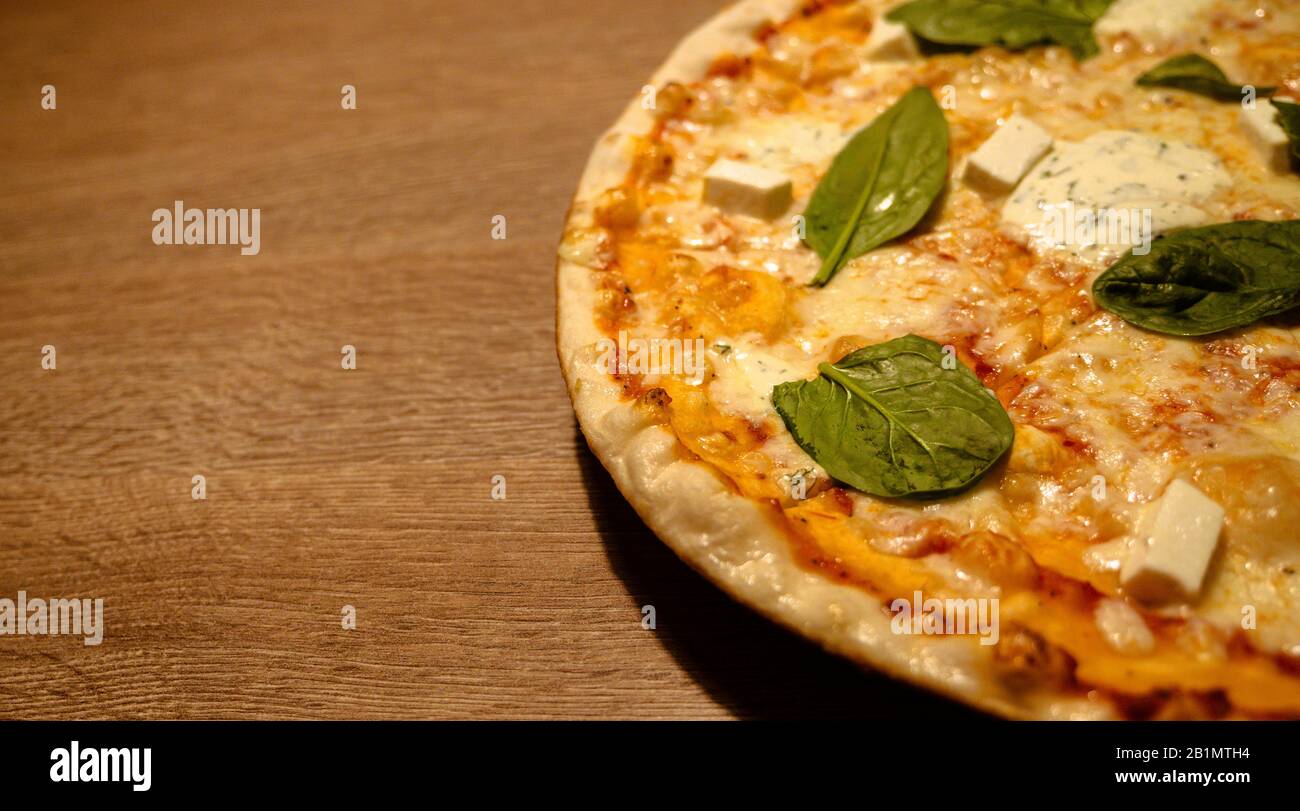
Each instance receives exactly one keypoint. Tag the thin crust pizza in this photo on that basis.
(962, 338)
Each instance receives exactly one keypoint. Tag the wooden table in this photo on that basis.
(329, 487)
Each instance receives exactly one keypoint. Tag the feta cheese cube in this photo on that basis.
(890, 40)
(1123, 627)
(1006, 157)
(1176, 539)
(743, 188)
(1261, 127)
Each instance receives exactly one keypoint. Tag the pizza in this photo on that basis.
(962, 338)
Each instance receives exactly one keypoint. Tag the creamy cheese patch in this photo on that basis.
(1114, 190)
(779, 143)
(1154, 21)
(745, 374)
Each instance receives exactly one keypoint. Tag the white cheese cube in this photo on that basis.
(1123, 627)
(1001, 161)
(743, 188)
(1176, 539)
(1261, 127)
(890, 40)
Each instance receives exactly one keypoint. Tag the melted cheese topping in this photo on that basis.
(1106, 414)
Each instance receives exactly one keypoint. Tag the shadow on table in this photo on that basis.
(751, 666)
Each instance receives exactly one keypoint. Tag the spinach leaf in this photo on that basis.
(894, 420)
(1195, 73)
(1288, 116)
(1203, 280)
(1015, 24)
(880, 184)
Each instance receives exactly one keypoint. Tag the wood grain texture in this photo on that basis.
(329, 487)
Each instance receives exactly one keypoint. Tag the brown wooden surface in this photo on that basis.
(329, 487)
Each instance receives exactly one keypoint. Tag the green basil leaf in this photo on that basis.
(1195, 73)
(894, 420)
(1015, 24)
(1203, 280)
(1288, 115)
(880, 184)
